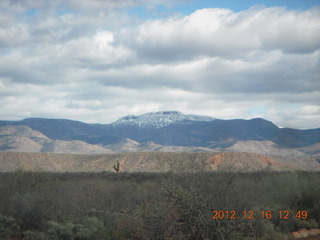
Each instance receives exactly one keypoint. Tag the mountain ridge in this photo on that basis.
(165, 131)
(172, 128)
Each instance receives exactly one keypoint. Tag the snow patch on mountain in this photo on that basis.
(158, 119)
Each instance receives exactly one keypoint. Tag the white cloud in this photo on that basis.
(89, 61)
(13, 35)
(223, 33)
(96, 50)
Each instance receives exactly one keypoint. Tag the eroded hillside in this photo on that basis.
(144, 162)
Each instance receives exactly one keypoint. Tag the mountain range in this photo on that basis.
(165, 131)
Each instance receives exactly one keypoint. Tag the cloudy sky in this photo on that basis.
(98, 60)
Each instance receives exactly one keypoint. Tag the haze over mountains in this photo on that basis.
(166, 131)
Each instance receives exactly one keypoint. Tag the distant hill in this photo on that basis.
(19, 138)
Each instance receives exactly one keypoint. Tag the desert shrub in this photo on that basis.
(262, 229)
(61, 231)
(34, 235)
(150, 220)
(8, 227)
(151, 205)
(89, 228)
(30, 209)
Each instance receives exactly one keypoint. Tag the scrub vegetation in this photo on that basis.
(78, 206)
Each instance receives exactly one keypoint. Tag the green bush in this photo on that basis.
(8, 227)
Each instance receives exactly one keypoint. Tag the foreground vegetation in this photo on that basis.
(78, 206)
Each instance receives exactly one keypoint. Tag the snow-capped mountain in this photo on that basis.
(158, 119)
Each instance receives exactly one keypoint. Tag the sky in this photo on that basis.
(96, 61)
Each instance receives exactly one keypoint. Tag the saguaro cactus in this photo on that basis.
(117, 167)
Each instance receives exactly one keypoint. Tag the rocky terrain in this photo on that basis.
(143, 162)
